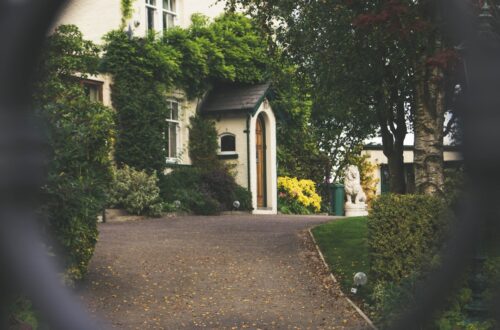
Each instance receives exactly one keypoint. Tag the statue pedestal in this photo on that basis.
(355, 210)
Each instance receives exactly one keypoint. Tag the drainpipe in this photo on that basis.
(247, 131)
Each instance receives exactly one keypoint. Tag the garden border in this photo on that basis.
(360, 312)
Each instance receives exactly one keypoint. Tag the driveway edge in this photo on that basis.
(360, 312)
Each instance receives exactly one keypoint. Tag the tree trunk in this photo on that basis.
(429, 132)
(393, 131)
(397, 182)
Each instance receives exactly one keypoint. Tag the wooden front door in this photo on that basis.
(260, 133)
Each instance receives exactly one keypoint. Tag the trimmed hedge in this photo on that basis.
(405, 233)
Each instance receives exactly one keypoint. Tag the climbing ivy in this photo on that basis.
(146, 70)
(127, 10)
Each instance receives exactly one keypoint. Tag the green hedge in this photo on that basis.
(405, 232)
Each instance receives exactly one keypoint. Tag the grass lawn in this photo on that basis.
(344, 244)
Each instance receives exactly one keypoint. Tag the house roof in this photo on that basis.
(234, 98)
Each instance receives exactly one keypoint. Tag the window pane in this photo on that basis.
(166, 5)
(165, 27)
(170, 21)
(93, 91)
(151, 18)
(228, 143)
(151, 2)
(175, 111)
(173, 5)
(172, 140)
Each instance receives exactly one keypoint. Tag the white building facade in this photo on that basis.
(251, 135)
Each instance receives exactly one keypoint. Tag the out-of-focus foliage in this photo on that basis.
(79, 134)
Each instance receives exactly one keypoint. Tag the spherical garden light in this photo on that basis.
(360, 279)
(236, 205)
(177, 204)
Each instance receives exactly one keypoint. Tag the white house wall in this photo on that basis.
(95, 18)
(236, 125)
(210, 8)
(378, 158)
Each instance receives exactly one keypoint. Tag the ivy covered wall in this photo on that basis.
(147, 70)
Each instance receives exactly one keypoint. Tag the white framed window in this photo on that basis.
(150, 14)
(227, 144)
(167, 17)
(172, 136)
(169, 11)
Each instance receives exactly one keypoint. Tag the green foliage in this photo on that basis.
(143, 70)
(204, 192)
(22, 315)
(79, 134)
(290, 101)
(203, 144)
(454, 182)
(127, 10)
(243, 196)
(345, 247)
(405, 233)
(136, 191)
(390, 299)
(230, 49)
(146, 70)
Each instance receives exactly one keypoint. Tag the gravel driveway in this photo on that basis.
(227, 272)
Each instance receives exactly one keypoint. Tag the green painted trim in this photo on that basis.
(248, 152)
(259, 103)
(232, 156)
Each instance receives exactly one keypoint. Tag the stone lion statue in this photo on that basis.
(352, 185)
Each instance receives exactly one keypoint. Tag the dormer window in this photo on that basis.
(227, 144)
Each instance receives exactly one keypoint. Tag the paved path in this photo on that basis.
(227, 272)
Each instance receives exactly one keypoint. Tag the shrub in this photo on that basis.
(405, 232)
(244, 197)
(298, 196)
(203, 143)
(221, 185)
(204, 192)
(136, 192)
(79, 133)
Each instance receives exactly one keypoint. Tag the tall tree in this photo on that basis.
(385, 60)
(359, 75)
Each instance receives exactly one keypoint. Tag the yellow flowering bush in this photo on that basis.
(298, 196)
